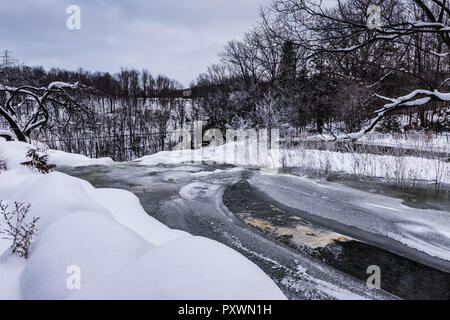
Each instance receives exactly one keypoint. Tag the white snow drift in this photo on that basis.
(396, 168)
(122, 252)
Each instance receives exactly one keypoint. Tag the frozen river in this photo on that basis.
(315, 239)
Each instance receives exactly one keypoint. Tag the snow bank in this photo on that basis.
(195, 268)
(120, 251)
(14, 152)
(234, 153)
(62, 159)
(91, 241)
(10, 271)
(127, 210)
(383, 166)
(57, 195)
(397, 168)
(415, 140)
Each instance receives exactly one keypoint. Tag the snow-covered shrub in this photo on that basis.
(19, 227)
(38, 162)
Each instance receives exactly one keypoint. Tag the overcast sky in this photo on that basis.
(178, 38)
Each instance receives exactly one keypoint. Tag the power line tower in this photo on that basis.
(7, 59)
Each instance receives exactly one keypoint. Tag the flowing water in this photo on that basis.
(278, 222)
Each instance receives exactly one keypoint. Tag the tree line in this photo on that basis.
(318, 66)
(124, 116)
(307, 66)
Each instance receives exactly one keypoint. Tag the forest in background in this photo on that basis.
(304, 68)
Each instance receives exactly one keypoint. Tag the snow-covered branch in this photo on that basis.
(62, 85)
(414, 99)
(442, 55)
(37, 96)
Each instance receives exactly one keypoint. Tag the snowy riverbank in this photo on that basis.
(400, 169)
(119, 251)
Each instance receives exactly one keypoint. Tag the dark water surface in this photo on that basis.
(282, 244)
(401, 276)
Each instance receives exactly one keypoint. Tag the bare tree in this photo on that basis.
(338, 33)
(40, 99)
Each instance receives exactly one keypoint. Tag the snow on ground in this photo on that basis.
(414, 140)
(189, 278)
(394, 168)
(15, 156)
(390, 167)
(121, 252)
(235, 153)
(135, 256)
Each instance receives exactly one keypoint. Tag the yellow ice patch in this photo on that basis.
(301, 235)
